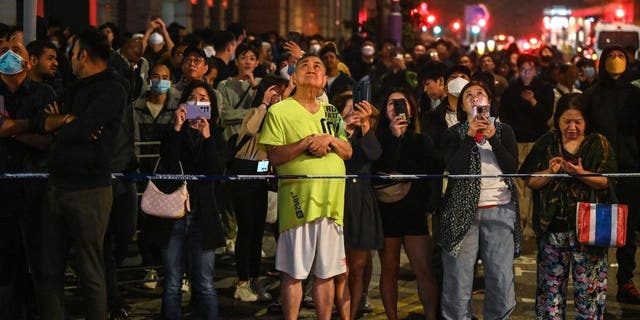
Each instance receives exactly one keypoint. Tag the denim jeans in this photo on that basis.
(491, 239)
(187, 233)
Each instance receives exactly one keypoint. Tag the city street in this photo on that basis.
(145, 303)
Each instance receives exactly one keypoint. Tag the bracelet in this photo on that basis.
(65, 118)
(265, 104)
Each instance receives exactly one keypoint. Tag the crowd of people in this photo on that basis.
(83, 105)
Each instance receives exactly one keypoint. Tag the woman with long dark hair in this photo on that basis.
(403, 205)
(195, 147)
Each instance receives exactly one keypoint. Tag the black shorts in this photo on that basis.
(403, 218)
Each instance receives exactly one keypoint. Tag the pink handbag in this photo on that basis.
(159, 204)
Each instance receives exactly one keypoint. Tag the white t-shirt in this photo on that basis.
(493, 191)
(154, 108)
(451, 117)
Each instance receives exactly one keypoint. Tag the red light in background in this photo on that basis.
(456, 26)
(194, 2)
(533, 41)
(431, 19)
(482, 23)
(423, 7)
(619, 13)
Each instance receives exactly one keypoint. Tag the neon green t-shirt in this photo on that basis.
(305, 200)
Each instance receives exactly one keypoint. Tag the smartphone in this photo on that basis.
(400, 107)
(357, 95)
(483, 110)
(525, 88)
(194, 111)
(294, 36)
(263, 166)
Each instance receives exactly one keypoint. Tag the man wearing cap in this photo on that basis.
(20, 151)
(194, 67)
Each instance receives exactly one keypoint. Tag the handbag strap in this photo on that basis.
(612, 193)
(158, 162)
(242, 98)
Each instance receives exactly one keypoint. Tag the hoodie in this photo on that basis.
(611, 106)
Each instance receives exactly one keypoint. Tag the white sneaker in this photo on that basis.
(231, 247)
(185, 285)
(244, 293)
(150, 279)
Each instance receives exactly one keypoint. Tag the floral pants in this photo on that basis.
(557, 254)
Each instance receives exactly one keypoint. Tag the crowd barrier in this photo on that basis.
(199, 177)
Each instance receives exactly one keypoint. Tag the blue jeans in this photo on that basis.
(187, 231)
(490, 238)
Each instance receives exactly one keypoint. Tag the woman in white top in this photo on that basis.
(479, 218)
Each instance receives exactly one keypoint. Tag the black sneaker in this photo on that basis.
(627, 293)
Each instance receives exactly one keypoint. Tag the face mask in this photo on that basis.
(160, 86)
(590, 72)
(315, 48)
(10, 63)
(616, 65)
(156, 39)
(367, 51)
(455, 86)
(209, 51)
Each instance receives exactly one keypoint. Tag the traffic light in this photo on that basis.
(456, 25)
(431, 19)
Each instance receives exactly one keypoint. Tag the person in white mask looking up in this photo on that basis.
(361, 66)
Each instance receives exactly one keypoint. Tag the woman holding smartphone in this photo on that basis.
(195, 147)
(479, 218)
(404, 204)
(570, 148)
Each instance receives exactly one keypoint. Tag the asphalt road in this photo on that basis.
(145, 303)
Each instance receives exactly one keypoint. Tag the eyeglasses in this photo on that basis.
(197, 61)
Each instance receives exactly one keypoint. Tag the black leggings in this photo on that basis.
(250, 205)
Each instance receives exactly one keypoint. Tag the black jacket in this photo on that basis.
(612, 106)
(412, 153)
(528, 123)
(198, 156)
(341, 84)
(434, 122)
(76, 160)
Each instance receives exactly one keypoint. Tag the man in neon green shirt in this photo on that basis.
(303, 136)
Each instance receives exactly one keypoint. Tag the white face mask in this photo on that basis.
(454, 87)
(209, 51)
(315, 48)
(284, 72)
(368, 51)
(155, 38)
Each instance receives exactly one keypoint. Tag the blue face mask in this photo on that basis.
(10, 63)
(160, 86)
